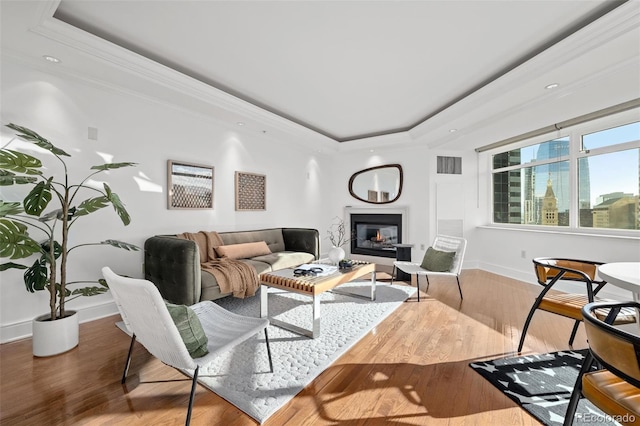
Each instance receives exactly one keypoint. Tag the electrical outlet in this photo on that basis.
(523, 254)
(93, 133)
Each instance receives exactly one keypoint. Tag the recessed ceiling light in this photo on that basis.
(552, 86)
(52, 59)
(453, 130)
(240, 123)
(372, 150)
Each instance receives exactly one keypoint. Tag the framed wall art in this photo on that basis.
(251, 191)
(189, 186)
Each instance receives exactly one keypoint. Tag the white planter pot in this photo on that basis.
(55, 337)
(336, 254)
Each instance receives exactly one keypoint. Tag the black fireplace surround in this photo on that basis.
(376, 234)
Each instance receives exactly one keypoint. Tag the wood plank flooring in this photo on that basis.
(412, 369)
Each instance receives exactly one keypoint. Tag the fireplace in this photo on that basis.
(376, 234)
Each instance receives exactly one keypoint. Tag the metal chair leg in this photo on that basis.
(418, 285)
(128, 362)
(393, 273)
(459, 289)
(573, 332)
(266, 338)
(577, 390)
(528, 321)
(526, 325)
(194, 383)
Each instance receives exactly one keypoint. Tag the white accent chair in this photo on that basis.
(442, 243)
(146, 316)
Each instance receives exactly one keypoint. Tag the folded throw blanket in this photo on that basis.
(233, 276)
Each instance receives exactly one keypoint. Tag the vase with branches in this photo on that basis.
(19, 219)
(337, 235)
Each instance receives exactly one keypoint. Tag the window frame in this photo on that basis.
(574, 133)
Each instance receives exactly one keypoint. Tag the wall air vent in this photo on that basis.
(449, 165)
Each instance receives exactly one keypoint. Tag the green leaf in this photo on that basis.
(10, 208)
(55, 214)
(37, 276)
(15, 242)
(121, 244)
(89, 291)
(31, 136)
(8, 178)
(103, 283)
(45, 246)
(91, 205)
(110, 166)
(117, 205)
(37, 200)
(19, 162)
(11, 265)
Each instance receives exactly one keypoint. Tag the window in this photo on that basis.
(589, 178)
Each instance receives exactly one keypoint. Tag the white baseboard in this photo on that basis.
(608, 292)
(22, 329)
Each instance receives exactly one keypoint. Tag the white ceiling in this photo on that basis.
(348, 70)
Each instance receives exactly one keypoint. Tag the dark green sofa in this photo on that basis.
(173, 264)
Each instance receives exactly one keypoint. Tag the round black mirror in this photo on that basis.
(377, 185)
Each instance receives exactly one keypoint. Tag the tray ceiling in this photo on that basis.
(347, 70)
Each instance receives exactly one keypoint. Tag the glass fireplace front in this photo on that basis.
(376, 234)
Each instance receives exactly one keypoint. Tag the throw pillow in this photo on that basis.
(243, 251)
(438, 261)
(190, 329)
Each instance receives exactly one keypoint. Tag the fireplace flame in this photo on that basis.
(378, 238)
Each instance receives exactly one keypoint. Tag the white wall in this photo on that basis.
(418, 193)
(148, 133)
(304, 188)
(489, 248)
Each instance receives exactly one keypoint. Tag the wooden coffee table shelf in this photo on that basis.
(312, 287)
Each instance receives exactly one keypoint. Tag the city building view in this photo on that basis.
(532, 185)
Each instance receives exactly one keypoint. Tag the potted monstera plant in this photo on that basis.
(39, 226)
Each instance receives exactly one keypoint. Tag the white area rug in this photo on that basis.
(242, 376)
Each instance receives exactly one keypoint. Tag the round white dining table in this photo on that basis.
(625, 275)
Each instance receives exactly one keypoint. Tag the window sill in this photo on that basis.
(618, 234)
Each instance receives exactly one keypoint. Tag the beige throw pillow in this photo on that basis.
(243, 251)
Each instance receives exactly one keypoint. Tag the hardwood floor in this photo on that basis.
(412, 369)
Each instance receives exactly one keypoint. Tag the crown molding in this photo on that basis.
(120, 59)
(611, 26)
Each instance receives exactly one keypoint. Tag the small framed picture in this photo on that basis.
(251, 191)
(372, 195)
(189, 186)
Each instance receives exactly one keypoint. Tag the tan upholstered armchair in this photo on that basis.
(615, 388)
(550, 271)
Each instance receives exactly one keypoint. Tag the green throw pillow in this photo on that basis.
(190, 329)
(438, 261)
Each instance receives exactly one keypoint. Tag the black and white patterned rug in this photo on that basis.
(542, 385)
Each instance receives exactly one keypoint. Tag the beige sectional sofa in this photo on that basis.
(173, 264)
